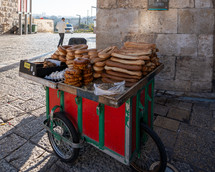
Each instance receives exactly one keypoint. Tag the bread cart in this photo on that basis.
(120, 126)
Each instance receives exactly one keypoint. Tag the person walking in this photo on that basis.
(61, 25)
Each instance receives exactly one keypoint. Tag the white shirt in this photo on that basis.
(61, 25)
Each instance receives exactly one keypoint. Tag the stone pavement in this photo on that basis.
(186, 126)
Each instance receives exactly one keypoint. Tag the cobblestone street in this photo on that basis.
(186, 126)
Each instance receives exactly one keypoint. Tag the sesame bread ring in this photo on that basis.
(70, 57)
(67, 46)
(62, 50)
(74, 71)
(78, 55)
(86, 56)
(97, 75)
(100, 64)
(98, 68)
(80, 51)
(90, 53)
(62, 58)
(70, 53)
(87, 75)
(69, 62)
(54, 56)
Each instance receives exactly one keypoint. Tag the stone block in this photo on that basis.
(107, 4)
(194, 68)
(169, 67)
(158, 21)
(136, 37)
(160, 100)
(206, 45)
(196, 21)
(166, 123)
(172, 85)
(198, 86)
(9, 144)
(21, 120)
(177, 44)
(160, 110)
(179, 114)
(132, 4)
(5, 166)
(117, 21)
(168, 137)
(105, 39)
(30, 157)
(30, 129)
(204, 4)
(42, 140)
(181, 4)
(202, 117)
(9, 112)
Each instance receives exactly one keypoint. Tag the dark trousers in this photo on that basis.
(61, 39)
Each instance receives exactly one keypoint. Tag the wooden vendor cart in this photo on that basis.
(120, 126)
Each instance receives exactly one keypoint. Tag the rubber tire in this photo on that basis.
(68, 123)
(160, 146)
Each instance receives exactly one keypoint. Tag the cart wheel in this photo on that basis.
(152, 150)
(64, 127)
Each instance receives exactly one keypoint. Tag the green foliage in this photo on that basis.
(82, 31)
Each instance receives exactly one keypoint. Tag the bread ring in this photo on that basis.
(100, 64)
(70, 53)
(78, 55)
(69, 62)
(57, 52)
(93, 56)
(81, 51)
(97, 75)
(62, 58)
(70, 57)
(98, 68)
(90, 53)
(80, 47)
(54, 56)
(88, 80)
(67, 46)
(74, 71)
(86, 56)
(97, 59)
(62, 54)
(62, 50)
(71, 79)
(80, 61)
(87, 75)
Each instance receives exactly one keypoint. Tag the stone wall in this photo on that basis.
(8, 15)
(44, 25)
(184, 35)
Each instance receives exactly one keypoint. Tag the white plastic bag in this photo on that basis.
(109, 89)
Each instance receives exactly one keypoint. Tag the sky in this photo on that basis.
(64, 7)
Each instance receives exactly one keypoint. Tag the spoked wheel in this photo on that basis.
(152, 156)
(65, 128)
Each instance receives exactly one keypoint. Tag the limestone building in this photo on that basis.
(8, 15)
(184, 35)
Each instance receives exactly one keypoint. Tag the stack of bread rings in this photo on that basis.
(73, 77)
(87, 75)
(80, 74)
(99, 58)
(130, 63)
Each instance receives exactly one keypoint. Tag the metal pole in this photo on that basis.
(26, 23)
(20, 17)
(30, 18)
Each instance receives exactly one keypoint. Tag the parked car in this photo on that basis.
(69, 28)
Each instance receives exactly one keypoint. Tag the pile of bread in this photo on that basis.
(81, 73)
(130, 63)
